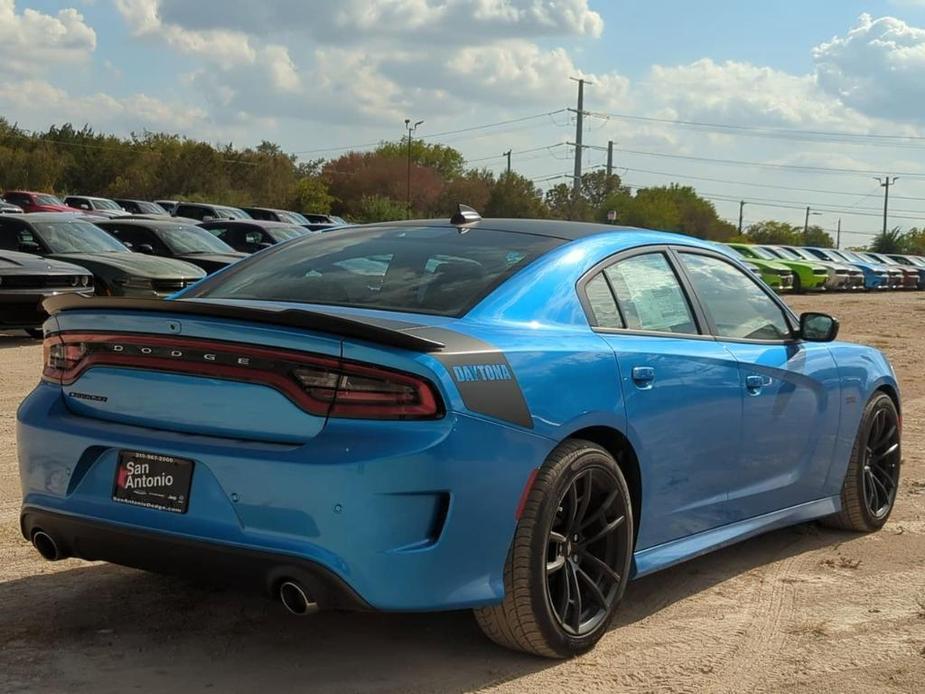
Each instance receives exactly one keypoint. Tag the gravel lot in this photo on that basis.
(800, 610)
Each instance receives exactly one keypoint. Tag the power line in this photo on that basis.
(768, 165)
(785, 133)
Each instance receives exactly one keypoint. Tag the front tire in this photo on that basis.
(570, 560)
(872, 479)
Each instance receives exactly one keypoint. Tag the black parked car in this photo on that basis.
(141, 207)
(26, 281)
(253, 235)
(207, 211)
(171, 239)
(116, 270)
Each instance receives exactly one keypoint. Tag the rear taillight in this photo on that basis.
(321, 385)
(367, 392)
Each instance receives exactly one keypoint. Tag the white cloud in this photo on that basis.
(34, 41)
(339, 21)
(876, 67)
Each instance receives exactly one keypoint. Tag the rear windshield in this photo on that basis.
(421, 270)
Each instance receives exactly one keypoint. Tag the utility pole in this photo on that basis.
(579, 129)
(741, 210)
(609, 159)
(885, 183)
(508, 155)
(411, 128)
(838, 235)
(806, 224)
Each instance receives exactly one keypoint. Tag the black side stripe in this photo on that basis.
(482, 373)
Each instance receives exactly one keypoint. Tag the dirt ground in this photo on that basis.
(799, 610)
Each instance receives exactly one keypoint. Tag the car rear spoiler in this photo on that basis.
(290, 318)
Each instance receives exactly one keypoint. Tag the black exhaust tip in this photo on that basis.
(295, 599)
(46, 546)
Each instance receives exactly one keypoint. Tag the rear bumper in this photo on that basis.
(410, 515)
(247, 568)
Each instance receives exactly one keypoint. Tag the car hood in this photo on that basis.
(217, 258)
(774, 265)
(135, 264)
(12, 263)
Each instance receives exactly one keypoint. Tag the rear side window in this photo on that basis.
(650, 295)
(602, 303)
(192, 211)
(433, 270)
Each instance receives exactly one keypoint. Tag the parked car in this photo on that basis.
(36, 202)
(915, 260)
(101, 207)
(363, 420)
(26, 281)
(331, 219)
(842, 276)
(914, 276)
(876, 275)
(271, 215)
(170, 239)
(253, 235)
(169, 205)
(206, 212)
(776, 275)
(116, 270)
(847, 277)
(806, 275)
(141, 207)
(9, 208)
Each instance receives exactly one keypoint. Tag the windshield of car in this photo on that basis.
(183, 238)
(298, 218)
(76, 236)
(775, 253)
(761, 253)
(281, 234)
(150, 208)
(104, 204)
(48, 200)
(231, 213)
(838, 256)
(881, 259)
(434, 270)
(801, 253)
(788, 253)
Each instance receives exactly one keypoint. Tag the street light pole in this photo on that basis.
(741, 210)
(411, 128)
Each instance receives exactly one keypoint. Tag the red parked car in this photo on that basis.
(36, 202)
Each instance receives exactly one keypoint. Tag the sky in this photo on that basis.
(782, 105)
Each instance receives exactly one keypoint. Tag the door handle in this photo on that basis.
(643, 376)
(755, 382)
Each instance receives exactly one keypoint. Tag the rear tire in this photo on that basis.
(872, 479)
(570, 560)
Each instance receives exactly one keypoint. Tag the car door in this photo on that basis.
(681, 390)
(791, 405)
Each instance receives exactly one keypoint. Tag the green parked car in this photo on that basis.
(807, 275)
(775, 274)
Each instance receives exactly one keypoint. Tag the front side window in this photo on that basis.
(650, 295)
(740, 309)
(434, 270)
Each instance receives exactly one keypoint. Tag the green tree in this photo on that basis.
(818, 237)
(889, 241)
(515, 196)
(311, 195)
(377, 208)
(446, 161)
(773, 232)
(671, 208)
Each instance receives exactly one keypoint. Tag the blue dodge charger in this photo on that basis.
(513, 416)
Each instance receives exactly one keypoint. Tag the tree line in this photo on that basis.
(362, 187)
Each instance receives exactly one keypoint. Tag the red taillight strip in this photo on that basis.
(250, 364)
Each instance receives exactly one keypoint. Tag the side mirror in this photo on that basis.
(29, 247)
(818, 327)
(146, 248)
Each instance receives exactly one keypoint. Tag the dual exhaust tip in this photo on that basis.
(291, 593)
